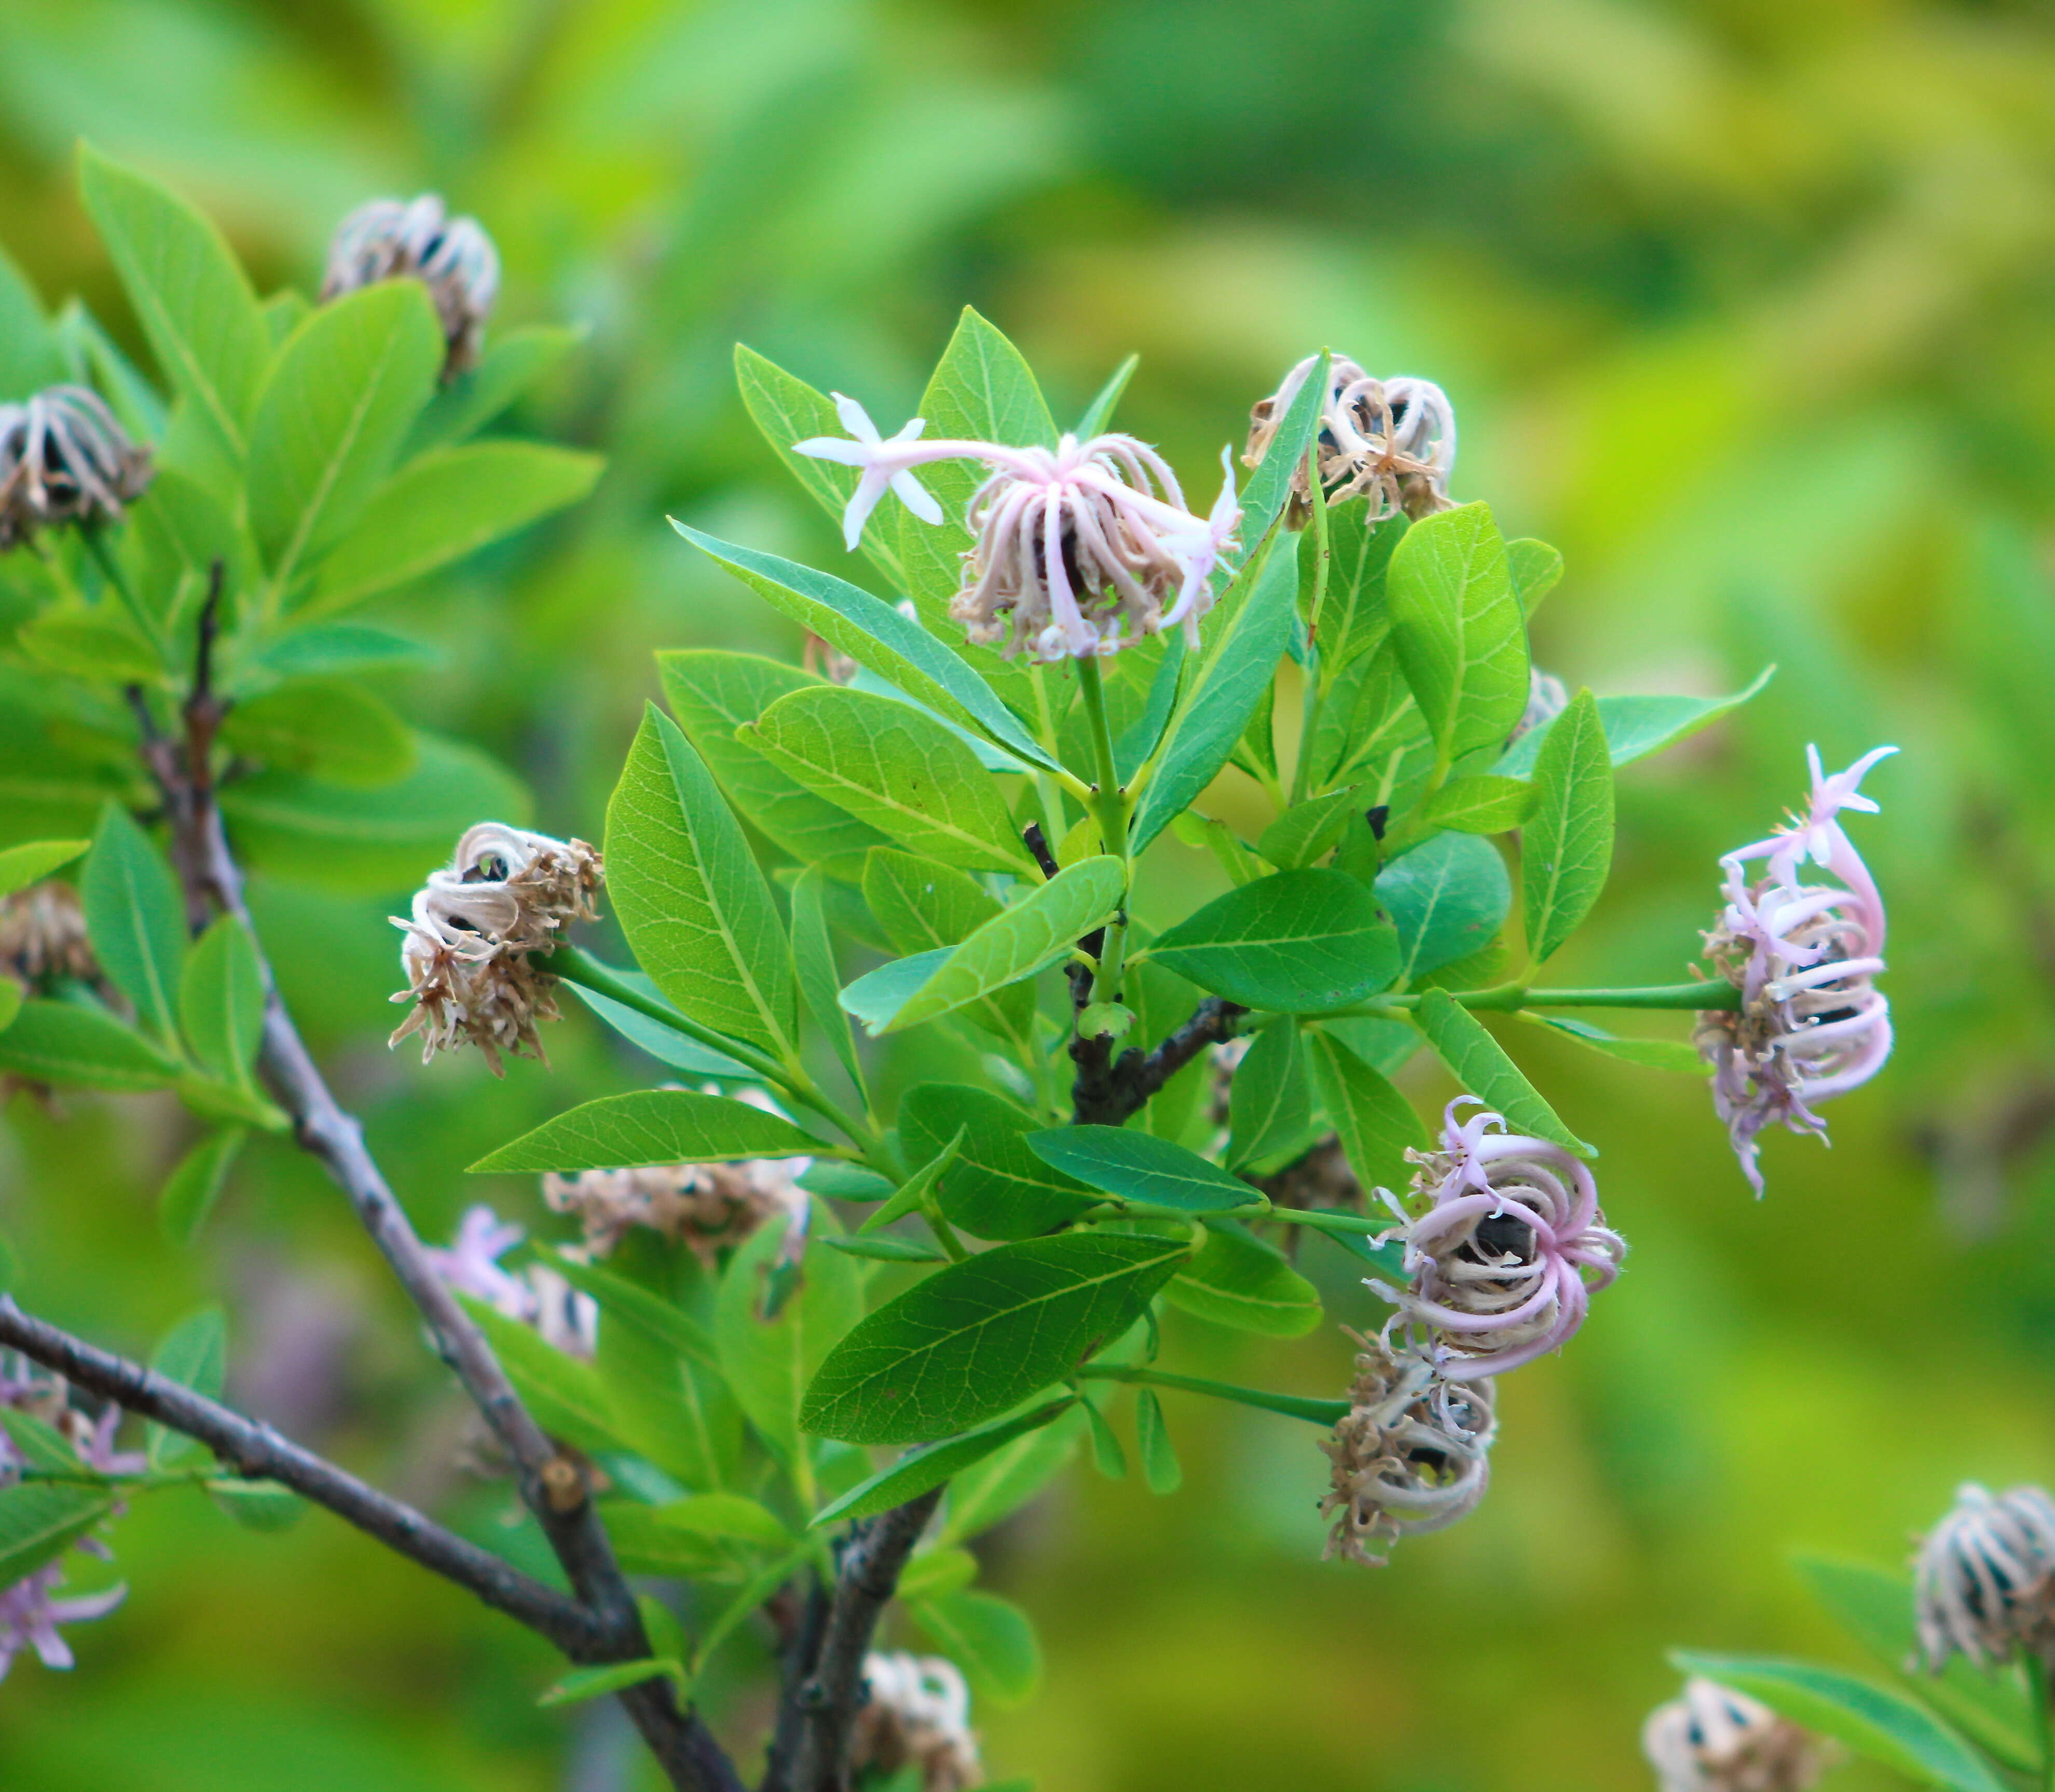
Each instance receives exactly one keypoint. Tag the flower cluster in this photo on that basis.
(1811, 1022)
(475, 932)
(916, 1714)
(1082, 549)
(1713, 1739)
(536, 1296)
(708, 1206)
(397, 239)
(1393, 441)
(1413, 1453)
(1497, 1261)
(1984, 1581)
(43, 937)
(64, 458)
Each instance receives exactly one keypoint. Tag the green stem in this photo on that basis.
(1292, 1406)
(1508, 998)
(1314, 668)
(1109, 806)
(2044, 1716)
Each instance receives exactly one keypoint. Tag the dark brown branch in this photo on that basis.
(1110, 1095)
(826, 1700)
(552, 1483)
(258, 1453)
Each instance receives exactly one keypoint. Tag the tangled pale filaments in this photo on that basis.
(1393, 441)
(1811, 1022)
(1713, 1739)
(1498, 1259)
(1413, 1454)
(476, 936)
(43, 936)
(916, 1714)
(1984, 1579)
(64, 459)
(394, 240)
(535, 1295)
(1082, 549)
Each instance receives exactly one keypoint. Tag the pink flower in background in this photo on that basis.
(1811, 1022)
(1498, 1259)
(29, 1617)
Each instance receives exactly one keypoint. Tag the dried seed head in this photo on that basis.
(1507, 1229)
(64, 459)
(1413, 1454)
(472, 934)
(43, 936)
(1984, 1579)
(709, 1206)
(395, 239)
(1715, 1740)
(1811, 1022)
(1393, 441)
(916, 1712)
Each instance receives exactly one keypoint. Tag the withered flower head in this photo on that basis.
(916, 1712)
(473, 933)
(394, 240)
(1984, 1581)
(1391, 440)
(1712, 1739)
(43, 936)
(64, 459)
(1412, 1455)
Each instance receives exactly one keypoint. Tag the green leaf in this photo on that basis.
(1636, 726)
(11, 1265)
(361, 841)
(996, 1187)
(135, 919)
(1479, 1063)
(689, 897)
(729, 1515)
(221, 1000)
(339, 400)
(932, 1464)
(911, 1195)
(713, 694)
(101, 646)
(195, 1185)
(663, 1321)
(567, 1397)
(65, 1043)
(195, 1354)
(1876, 1723)
(1566, 853)
(819, 976)
(193, 301)
(1354, 619)
(664, 1043)
(1160, 1471)
(325, 648)
(1099, 413)
(770, 1362)
(11, 998)
(1875, 1605)
(1484, 805)
(894, 768)
(1308, 830)
(1263, 499)
(1376, 1123)
(874, 634)
(650, 1127)
(1458, 630)
(1447, 898)
(1140, 1169)
(883, 1249)
(923, 907)
(993, 1490)
(990, 1638)
(24, 865)
(260, 1505)
(1651, 1054)
(1270, 1103)
(437, 509)
(1536, 569)
(1298, 941)
(1035, 933)
(1243, 641)
(30, 358)
(39, 1522)
(582, 1684)
(662, 1380)
(513, 361)
(1238, 1280)
(936, 1570)
(1108, 1457)
(39, 1443)
(976, 1338)
(646, 1544)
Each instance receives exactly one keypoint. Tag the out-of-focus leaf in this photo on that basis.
(582, 1684)
(995, 1187)
(34, 860)
(1536, 568)
(566, 1395)
(1458, 630)
(331, 728)
(1479, 1063)
(1137, 1167)
(992, 1490)
(28, 357)
(932, 1464)
(976, 1338)
(1447, 897)
(134, 919)
(1161, 1470)
(195, 1185)
(39, 1522)
(325, 648)
(1376, 1123)
(691, 899)
(102, 645)
(64, 1043)
(437, 509)
(1238, 1280)
(650, 1127)
(1099, 413)
(1566, 853)
(1635, 726)
(513, 361)
(990, 1638)
(195, 1354)
(1298, 941)
(770, 1362)
(260, 1505)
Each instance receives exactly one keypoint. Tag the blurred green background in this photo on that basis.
(1744, 305)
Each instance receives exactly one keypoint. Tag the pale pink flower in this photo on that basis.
(1498, 1258)
(29, 1617)
(1984, 1579)
(536, 1296)
(1392, 440)
(1715, 1739)
(1811, 1022)
(916, 1713)
(1082, 549)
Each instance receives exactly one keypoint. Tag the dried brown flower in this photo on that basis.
(1392, 440)
(1985, 1578)
(64, 459)
(917, 1713)
(397, 239)
(1712, 1739)
(43, 936)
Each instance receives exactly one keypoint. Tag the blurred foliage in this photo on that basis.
(1743, 305)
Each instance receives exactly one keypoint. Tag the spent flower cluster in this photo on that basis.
(64, 458)
(1984, 1579)
(1715, 1739)
(917, 1715)
(1392, 441)
(395, 239)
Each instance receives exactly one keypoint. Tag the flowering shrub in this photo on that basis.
(816, 1337)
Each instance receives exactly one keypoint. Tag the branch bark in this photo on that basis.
(1107, 1094)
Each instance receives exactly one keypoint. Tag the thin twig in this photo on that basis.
(257, 1453)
